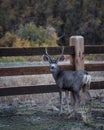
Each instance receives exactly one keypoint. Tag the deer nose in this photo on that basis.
(52, 67)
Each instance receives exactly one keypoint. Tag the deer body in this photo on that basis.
(68, 80)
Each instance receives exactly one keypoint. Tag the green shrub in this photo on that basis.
(37, 35)
(31, 32)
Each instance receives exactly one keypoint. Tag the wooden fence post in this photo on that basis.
(78, 43)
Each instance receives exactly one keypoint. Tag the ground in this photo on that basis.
(41, 117)
(38, 111)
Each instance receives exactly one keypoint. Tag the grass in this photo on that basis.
(20, 58)
(39, 120)
(41, 117)
(12, 59)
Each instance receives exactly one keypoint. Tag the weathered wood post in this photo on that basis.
(78, 59)
(78, 43)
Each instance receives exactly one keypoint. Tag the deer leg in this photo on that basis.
(76, 97)
(88, 96)
(88, 112)
(67, 100)
(72, 99)
(86, 115)
(61, 109)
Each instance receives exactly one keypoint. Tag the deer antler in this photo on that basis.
(62, 53)
(46, 52)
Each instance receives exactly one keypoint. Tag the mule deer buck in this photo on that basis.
(68, 80)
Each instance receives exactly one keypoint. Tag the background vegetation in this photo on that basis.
(42, 22)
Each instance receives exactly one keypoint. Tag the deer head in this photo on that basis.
(53, 62)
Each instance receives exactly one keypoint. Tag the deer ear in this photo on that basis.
(61, 58)
(46, 58)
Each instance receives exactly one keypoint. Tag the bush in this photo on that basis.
(31, 32)
(29, 35)
(21, 43)
(8, 40)
(39, 35)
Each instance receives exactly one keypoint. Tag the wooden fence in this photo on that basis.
(36, 70)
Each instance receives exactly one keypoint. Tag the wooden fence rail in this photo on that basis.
(31, 70)
(33, 51)
(40, 89)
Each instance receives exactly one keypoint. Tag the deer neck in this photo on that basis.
(56, 73)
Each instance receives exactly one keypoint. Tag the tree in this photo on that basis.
(72, 17)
